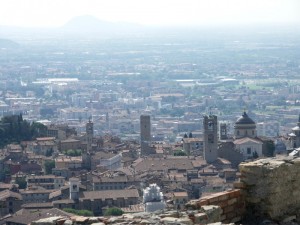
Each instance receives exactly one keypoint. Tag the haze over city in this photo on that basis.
(149, 112)
(53, 13)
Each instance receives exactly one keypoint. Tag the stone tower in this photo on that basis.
(74, 188)
(223, 131)
(210, 125)
(86, 155)
(145, 127)
(89, 134)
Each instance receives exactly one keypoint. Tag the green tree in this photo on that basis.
(83, 212)
(14, 129)
(72, 152)
(49, 165)
(113, 212)
(179, 153)
(21, 181)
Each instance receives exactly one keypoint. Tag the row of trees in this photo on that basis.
(13, 129)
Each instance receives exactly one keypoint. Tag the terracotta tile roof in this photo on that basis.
(164, 164)
(26, 216)
(37, 205)
(54, 194)
(180, 194)
(114, 194)
(9, 194)
(247, 139)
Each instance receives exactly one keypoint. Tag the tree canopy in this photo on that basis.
(13, 129)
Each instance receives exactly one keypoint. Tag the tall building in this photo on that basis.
(145, 129)
(74, 188)
(223, 131)
(210, 125)
(86, 155)
(89, 134)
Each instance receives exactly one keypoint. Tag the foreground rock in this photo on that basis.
(205, 215)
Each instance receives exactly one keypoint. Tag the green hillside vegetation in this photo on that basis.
(13, 129)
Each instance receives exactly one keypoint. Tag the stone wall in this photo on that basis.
(231, 203)
(271, 188)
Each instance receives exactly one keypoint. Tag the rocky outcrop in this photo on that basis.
(203, 215)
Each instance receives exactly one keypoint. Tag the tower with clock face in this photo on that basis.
(210, 125)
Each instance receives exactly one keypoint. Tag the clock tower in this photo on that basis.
(210, 125)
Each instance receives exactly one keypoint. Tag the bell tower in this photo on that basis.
(223, 131)
(145, 127)
(89, 135)
(210, 124)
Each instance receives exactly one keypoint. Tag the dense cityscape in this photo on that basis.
(98, 125)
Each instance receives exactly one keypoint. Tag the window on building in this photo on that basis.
(248, 151)
(238, 132)
(210, 138)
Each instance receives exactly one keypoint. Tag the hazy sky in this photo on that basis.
(151, 12)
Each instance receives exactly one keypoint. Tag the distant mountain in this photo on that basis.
(6, 43)
(90, 24)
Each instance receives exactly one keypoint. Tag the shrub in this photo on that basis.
(113, 212)
(79, 212)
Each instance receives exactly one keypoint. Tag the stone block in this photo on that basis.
(201, 218)
(230, 215)
(223, 197)
(236, 219)
(202, 202)
(213, 200)
(185, 220)
(232, 201)
(223, 217)
(235, 193)
(192, 204)
(228, 209)
(213, 212)
(223, 204)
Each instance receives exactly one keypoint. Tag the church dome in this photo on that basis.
(245, 120)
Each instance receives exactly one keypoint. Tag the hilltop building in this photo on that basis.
(245, 144)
